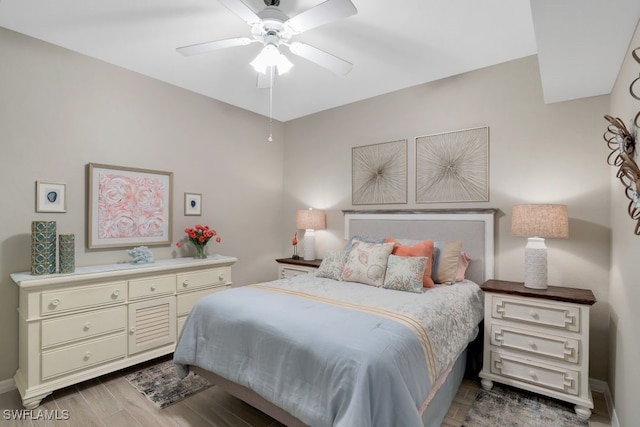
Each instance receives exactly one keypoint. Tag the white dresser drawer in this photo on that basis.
(186, 301)
(545, 314)
(198, 279)
(78, 298)
(69, 359)
(554, 347)
(141, 288)
(71, 328)
(551, 377)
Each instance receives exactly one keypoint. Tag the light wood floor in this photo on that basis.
(110, 401)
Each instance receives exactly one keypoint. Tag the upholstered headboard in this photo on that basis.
(475, 227)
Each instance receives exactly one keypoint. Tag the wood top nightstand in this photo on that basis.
(538, 340)
(289, 267)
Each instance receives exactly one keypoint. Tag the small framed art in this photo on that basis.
(193, 204)
(51, 197)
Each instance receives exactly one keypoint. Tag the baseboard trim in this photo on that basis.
(600, 386)
(7, 385)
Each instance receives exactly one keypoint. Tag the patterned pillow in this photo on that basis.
(367, 239)
(332, 265)
(367, 263)
(422, 248)
(405, 273)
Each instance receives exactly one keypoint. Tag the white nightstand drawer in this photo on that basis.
(547, 376)
(290, 271)
(89, 296)
(153, 286)
(78, 357)
(198, 279)
(546, 314)
(554, 347)
(71, 328)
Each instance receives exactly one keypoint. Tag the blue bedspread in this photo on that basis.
(328, 363)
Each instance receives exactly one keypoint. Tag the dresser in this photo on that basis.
(289, 267)
(538, 340)
(73, 327)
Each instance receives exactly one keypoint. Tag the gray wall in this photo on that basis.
(538, 153)
(624, 291)
(60, 110)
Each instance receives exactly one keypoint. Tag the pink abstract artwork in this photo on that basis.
(130, 206)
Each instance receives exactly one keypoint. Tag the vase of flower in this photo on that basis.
(199, 236)
(201, 253)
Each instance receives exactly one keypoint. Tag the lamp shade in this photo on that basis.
(310, 219)
(540, 221)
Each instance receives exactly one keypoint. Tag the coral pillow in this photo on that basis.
(424, 249)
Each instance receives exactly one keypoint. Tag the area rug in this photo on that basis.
(162, 386)
(506, 406)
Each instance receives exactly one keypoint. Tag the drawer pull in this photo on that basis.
(568, 382)
(221, 277)
(533, 375)
(568, 351)
(87, 355)
(533, 314)
(153, 288)
(132, 331)
(570, 318)
(531, 343)
(87, 326)
(55, 302)
(116, 293)
(185, 283)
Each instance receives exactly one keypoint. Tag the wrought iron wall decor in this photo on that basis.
(453, 166)
(622, 143)
(379, 173)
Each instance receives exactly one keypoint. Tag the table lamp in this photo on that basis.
(310, 220)
(537, 222)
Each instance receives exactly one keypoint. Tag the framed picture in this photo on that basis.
(128, 206)
(453, 166)
(379, 173)
(192, 204)
(51, 197)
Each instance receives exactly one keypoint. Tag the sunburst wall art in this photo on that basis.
(453, 166)
(379, 173)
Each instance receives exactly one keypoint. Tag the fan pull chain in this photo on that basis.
(270, 139)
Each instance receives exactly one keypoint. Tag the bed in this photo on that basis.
(313, 350)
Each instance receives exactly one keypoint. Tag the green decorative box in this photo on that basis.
(66, 253)
(43, 247)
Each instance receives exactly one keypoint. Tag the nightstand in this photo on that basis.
(538, 340)
(289, 267)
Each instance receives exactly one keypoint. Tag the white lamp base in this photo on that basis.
(535, 264)
(309, 245)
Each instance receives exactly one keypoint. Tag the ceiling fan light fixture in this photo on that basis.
(270, 56)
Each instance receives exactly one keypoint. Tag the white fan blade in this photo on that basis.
(196, 49)
(265, 80)
(242, 10)
(322, 58)
(330, 10)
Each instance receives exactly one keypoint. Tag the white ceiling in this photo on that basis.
(392, 44)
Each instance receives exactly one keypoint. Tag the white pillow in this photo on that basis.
(367, 263)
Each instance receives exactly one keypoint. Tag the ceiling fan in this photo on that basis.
(273, 29)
